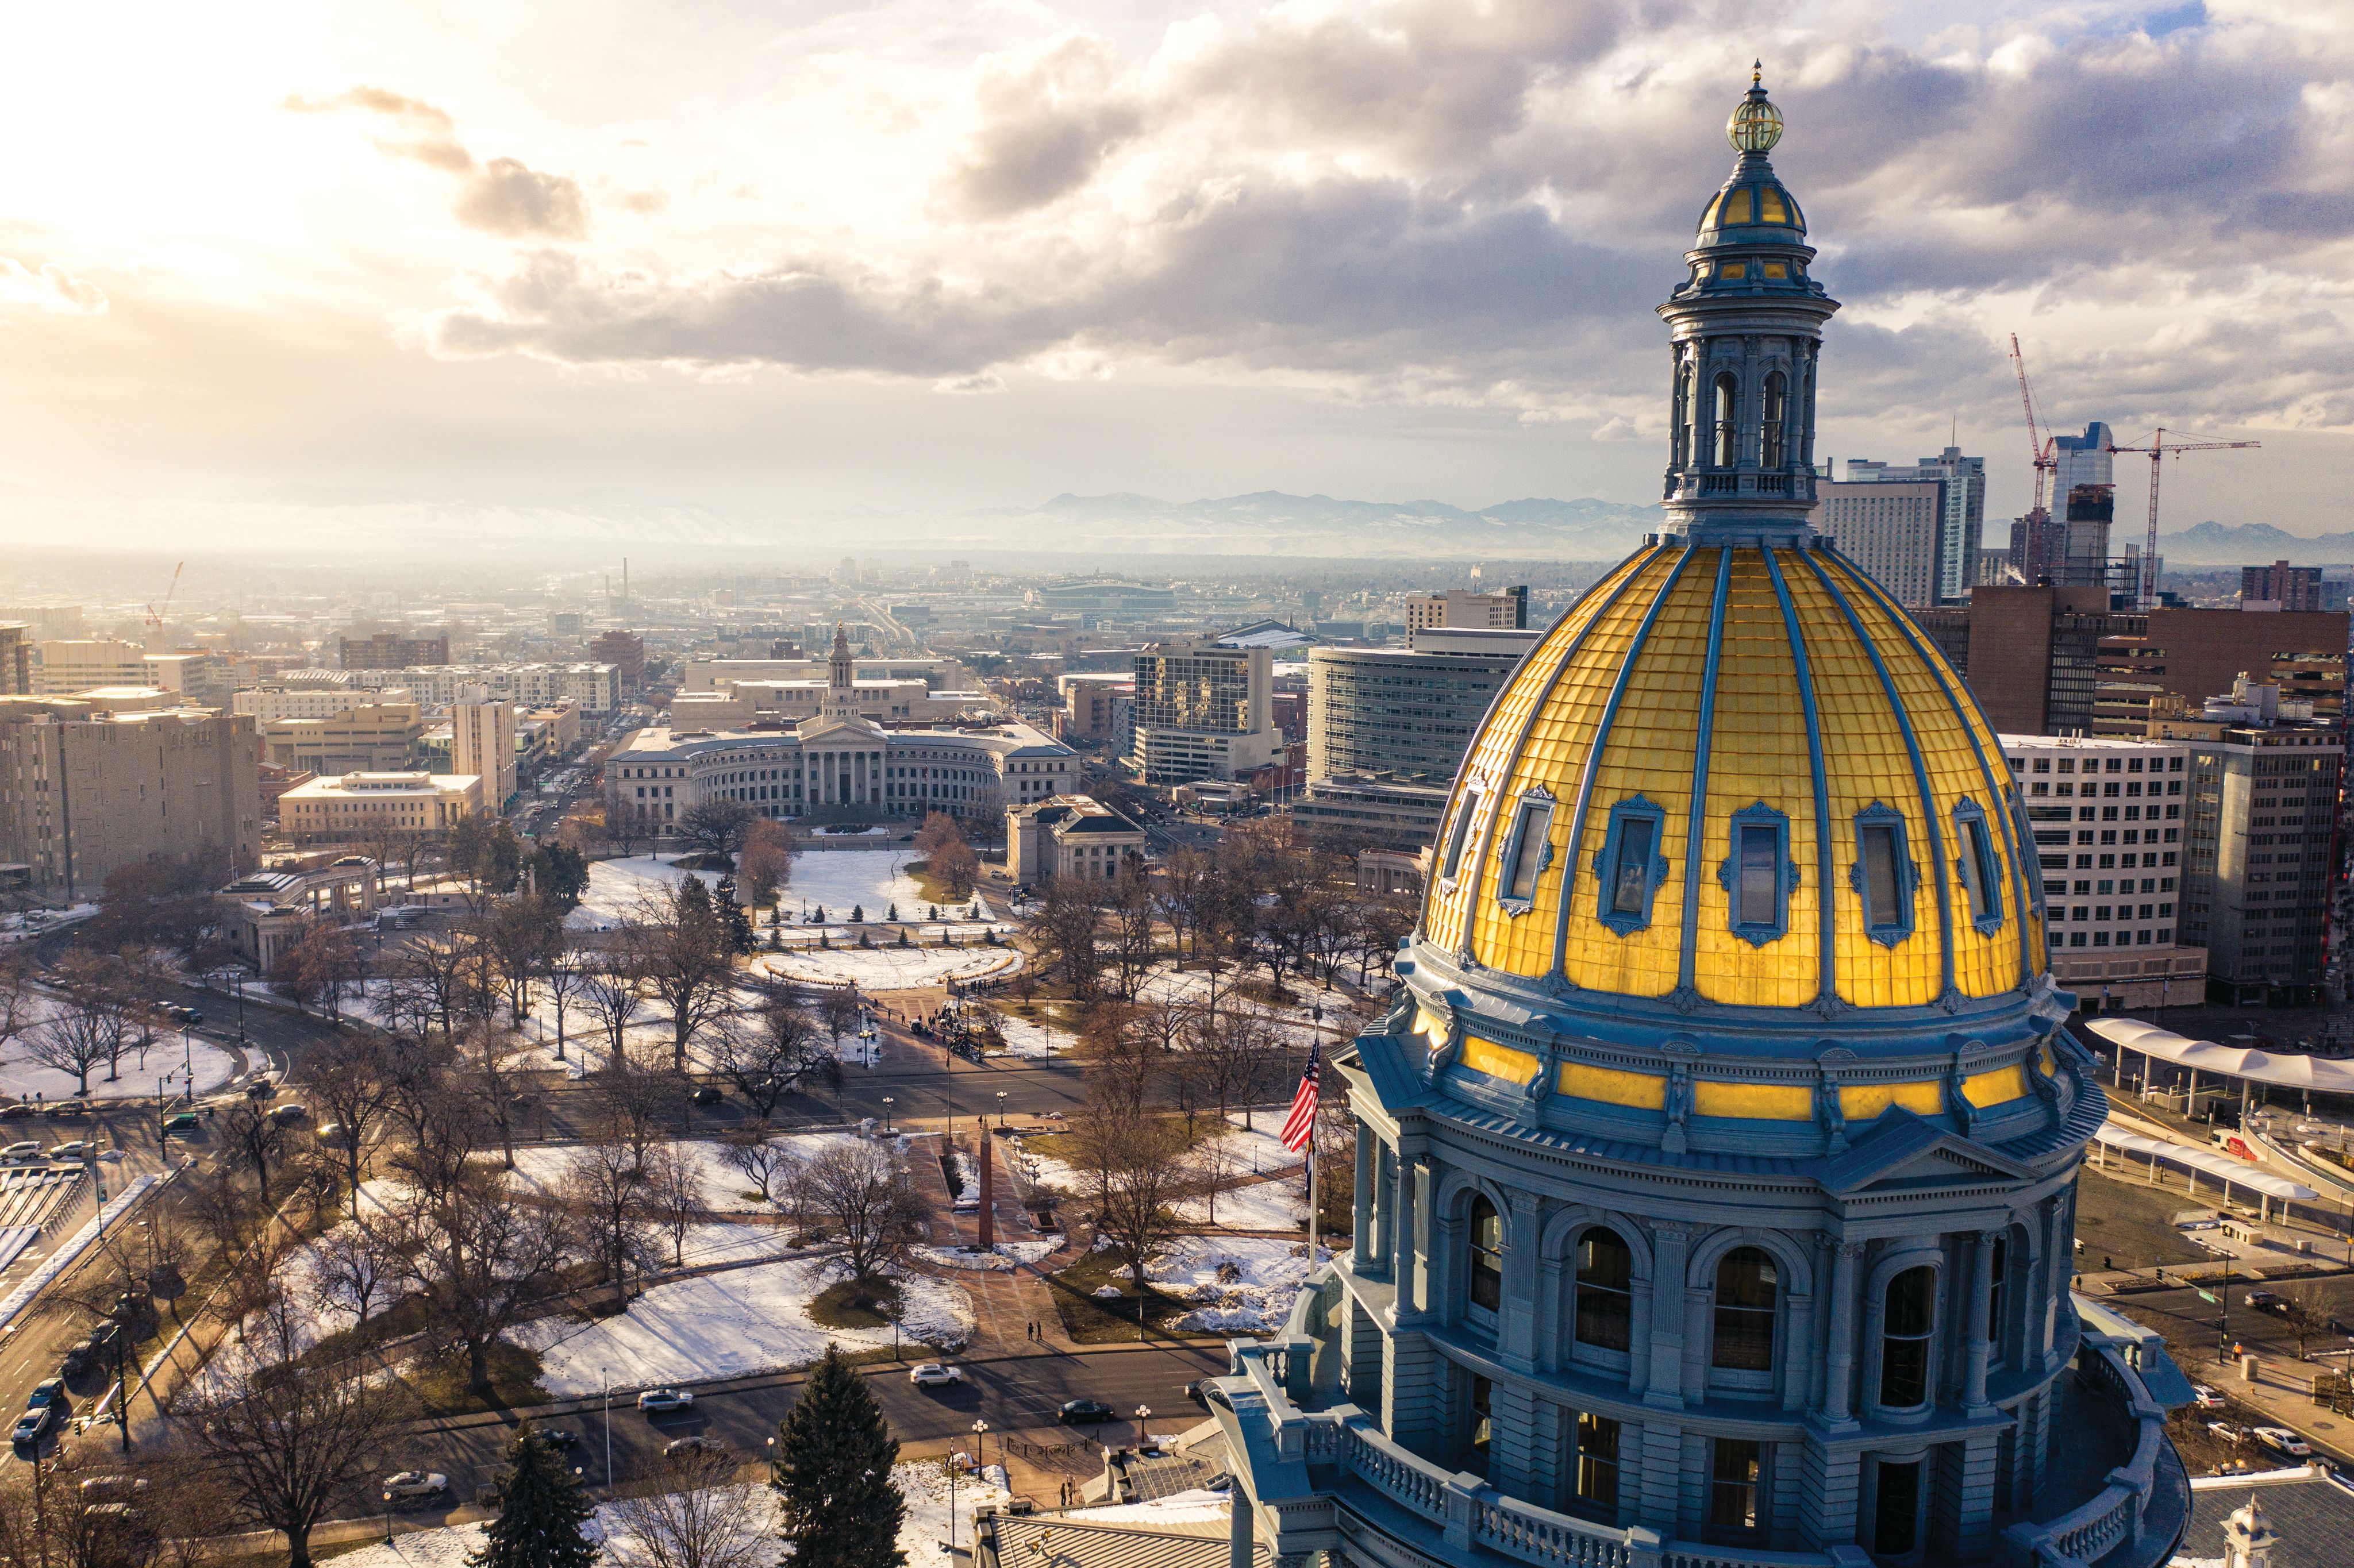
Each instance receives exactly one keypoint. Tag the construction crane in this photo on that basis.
(2157, 450)
(154, 616)
(2038, 445)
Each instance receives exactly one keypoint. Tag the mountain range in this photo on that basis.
(2251, 544)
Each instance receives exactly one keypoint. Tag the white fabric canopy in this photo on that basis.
(2288, 1071)
(2222, 1167)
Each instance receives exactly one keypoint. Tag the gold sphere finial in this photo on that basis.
(1756, 72)
(1755, 125)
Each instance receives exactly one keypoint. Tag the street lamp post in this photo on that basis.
(981, 1445)
(1000, 1108)
(606, 1373)
(387, 1518)
(1143, 1414)
(886, 1113)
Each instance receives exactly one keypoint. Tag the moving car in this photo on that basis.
(2205, 1398)
(654, 1399)
(76, 1149)
(53, 1392)
(15, 1113)
(697, 1444)
(708, 1095)
(35, 1425)
(96, 1350)
(1078, 1410)
(96, 1486)
(559, 1438)
(288, 1113)
(415, 1483)
(932, 1374)
(2267, 1300)
(2281, 1440)
(185, 1122)
(18, 1153)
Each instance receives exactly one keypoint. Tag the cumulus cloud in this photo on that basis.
(502, 196)
(507, 198)
(52, 289)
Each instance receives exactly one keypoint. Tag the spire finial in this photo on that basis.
(1756, 72)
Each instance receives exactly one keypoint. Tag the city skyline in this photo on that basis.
(932, 261)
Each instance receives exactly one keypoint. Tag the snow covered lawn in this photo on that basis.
(540, 1168)
(1004, 1258)
(22, 1077)
(888, 966)
(615, 887)
(1275, 1205)
(731, 1324)
(921, 1482)
(1245, 1284)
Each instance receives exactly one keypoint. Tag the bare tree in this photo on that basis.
(563, 975)
(74, 1039)
(700, 1518)
(1134, 1173)
(766, 1053)
(439, 972)
(675, 1198)
(689, 961)
(358, 1267)
(254, 1140)
(517, 939)
(636, 1100)
(480, 1258)
(604, 1185)
(1063, 924)
(768, 1165)
(489, 1064)
(18, 1005)
(867, 1198)
(350, 1087)
(613, 989)
(285, 1447)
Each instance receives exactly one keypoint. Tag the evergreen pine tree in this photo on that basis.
(734, 916)
(541, 1510)
(832, 1474)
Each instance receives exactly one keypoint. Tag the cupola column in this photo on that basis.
(1663, 1389)
(1838, 1359)
(1361, 1238)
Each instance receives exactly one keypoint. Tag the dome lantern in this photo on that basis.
(1755, 125)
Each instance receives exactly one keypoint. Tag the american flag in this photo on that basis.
(1299, 1127)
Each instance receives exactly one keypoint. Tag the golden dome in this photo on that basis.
(1773, 697)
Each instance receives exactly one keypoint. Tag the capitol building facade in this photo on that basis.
(1715, 1169)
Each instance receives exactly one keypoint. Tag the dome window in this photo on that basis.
(1758, 874)
(1487, 1255)
(1884, 875)
(1631, 865)
(1775, 272)
(1734, 272)
(1980, 868)
(1605, 1306)
(1770, 206)
(1527, 854)
(1461, 836)
(1708, 217)
(1736, 207)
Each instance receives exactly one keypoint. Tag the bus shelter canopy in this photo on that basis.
(2286, 1070)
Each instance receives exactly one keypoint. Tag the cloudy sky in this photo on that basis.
(937, 254)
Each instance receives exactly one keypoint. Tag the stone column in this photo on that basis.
(1838, 1359)
(1361, 1235)
(1384, 1204)
(1979, 1348)
(1239, 1542)
(1418, 1221)
(2059, 1272)
(1664, 1388)
(1516, 1324)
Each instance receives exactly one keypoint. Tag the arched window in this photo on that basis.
(1905, 1324)
(1606, 1273)
(1726, 414)
(1487, 1255)
(1745, 1311)
(1679, 439)
(1771, 454)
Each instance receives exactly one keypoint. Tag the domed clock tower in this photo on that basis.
(1715, 1167)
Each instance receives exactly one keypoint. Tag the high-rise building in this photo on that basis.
(1204, 709)
(86, 663)
(1961, 526)
(85, 790)
(1895, 531)
(2281, 586)
(2260, 852)
(482, 742)
(199, 680)
(2108, 821)
(1504, 611)
(391, 651)
(2032, 654)
(1716, 1165)
(1405, 714)
(626, 651)
(2084, 501)
(16, 660)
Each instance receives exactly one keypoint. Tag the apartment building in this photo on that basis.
(268, 704)
(626, 652)
(482, 743)
(16, 660)
(1504, 611)
(594, 687)
(359, 803)
(67, 665)
(1895, 531)
(2109, 821)
(199, 680)
(370, 737)
(1204, 709)
(391, 651)
(2261, 851)
(85, 790)
(2281, 587)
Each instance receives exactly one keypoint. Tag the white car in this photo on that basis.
(415, 1483)
(18, 1153)
(2205, 1398)
(75, 1150)
(932, 1374)
(666, 1399)
(2281, 1440)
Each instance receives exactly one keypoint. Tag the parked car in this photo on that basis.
(185, 1017)
(18, 1153)
(1076, 1411)
(2281, 1440)
(708, 1095)
(415, 1483)
(933, 1374)
(15, 1113)
(654, 1399)
(695, 1444)
(51, 1392)
(185, 1122)
(2205, 1398)
(76, 1149)
(96, 1486)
